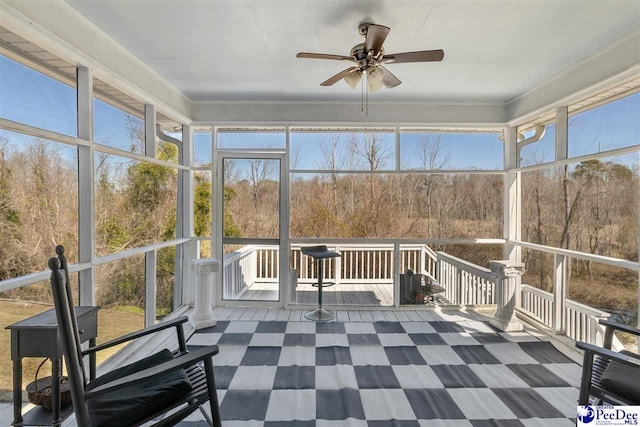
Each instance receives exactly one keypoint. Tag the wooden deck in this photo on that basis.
(379, 294)
(342, 294)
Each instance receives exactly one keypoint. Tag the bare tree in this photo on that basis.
(260, 171)
(331, 160)
(432, 157)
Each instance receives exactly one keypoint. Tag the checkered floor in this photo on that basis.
(388, 374)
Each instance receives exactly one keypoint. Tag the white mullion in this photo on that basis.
(139, 157)
(634, 149)
(150, 287)
(217, 213)
(22, 128)
(369, 242)
(136, 251)
(284, 224)
(150, 131)
(184, 281)
(40, 276)
(150, 257)
(86, 188)
(395, 172)
(397, 142)
(562, 133)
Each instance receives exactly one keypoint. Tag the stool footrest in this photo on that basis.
(324, 284)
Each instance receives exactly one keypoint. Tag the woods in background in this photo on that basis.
(590, 207)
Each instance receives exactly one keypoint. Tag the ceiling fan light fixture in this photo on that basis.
(375, 79)
(353, 79)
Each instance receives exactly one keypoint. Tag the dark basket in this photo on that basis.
(39, 391)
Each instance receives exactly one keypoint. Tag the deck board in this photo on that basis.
(375, 294)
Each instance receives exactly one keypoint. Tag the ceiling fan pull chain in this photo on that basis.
(366, 108)
(362, 93)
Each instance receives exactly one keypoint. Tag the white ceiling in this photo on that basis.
(245, 49)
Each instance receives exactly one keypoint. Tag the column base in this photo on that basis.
(510, 326)
(320, 315)
(202, 323)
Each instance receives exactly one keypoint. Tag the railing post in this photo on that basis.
(338, 268)
(559, 294)
(396, 274)
(508, 282)
(203, 313)
(459, 290)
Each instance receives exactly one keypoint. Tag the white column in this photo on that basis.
(507, 287)
(203, 313)
(511, 204)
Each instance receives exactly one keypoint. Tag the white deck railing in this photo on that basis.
(359, 263)
(580, 321)
(537, 303)
(240, 271)
(465, 283)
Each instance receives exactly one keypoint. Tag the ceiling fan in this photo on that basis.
(369, 58)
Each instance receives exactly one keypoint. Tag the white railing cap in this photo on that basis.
(203, 265)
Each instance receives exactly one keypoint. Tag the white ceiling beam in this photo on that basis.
(382, 114)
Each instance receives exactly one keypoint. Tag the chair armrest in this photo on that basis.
(179, 362)
(177, 323)
(591, 349)
(620, 327)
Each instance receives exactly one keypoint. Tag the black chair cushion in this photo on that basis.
(622, 379)
(136, 403)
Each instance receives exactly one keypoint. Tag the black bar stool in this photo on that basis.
(319, 253)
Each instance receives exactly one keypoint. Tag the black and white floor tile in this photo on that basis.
(405, 374)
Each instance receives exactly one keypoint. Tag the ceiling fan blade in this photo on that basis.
(389, 79)
(342, 74)
(376, 34)
(420, 56)
(323, 56)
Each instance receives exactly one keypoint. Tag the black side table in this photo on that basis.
(37, 336)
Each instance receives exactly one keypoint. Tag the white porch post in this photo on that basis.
(507, 287)
(150, 288)
(202, 316)
(511, 196)
(184, 294)
(86, 188)
(561, 262)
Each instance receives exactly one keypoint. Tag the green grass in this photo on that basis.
(112, 323)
